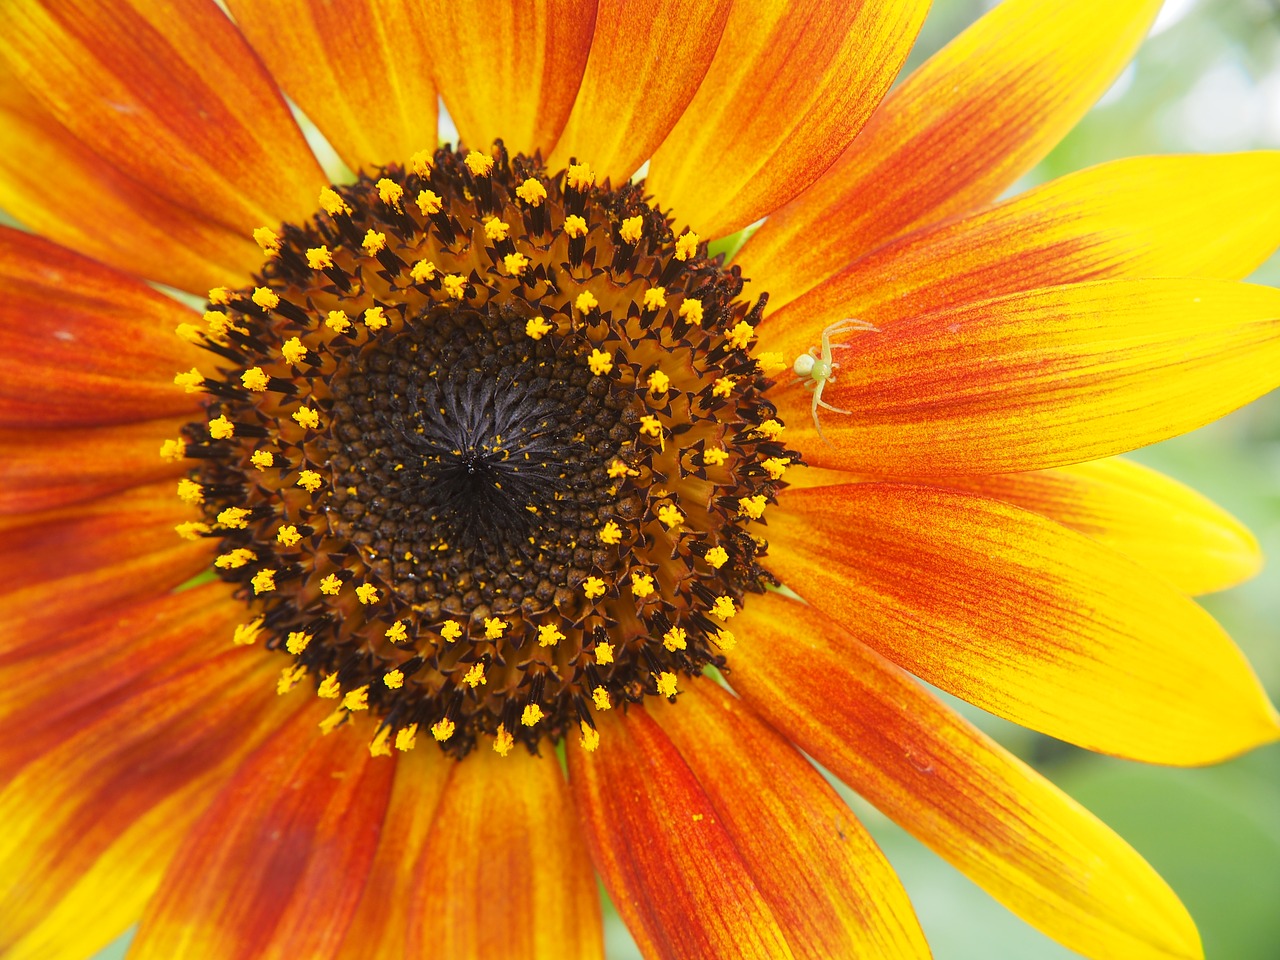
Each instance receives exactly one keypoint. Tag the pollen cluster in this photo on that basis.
(486, 451)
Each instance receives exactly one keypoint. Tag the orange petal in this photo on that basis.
(359, 71)
(504, 873)
(830, 887)
(667, 860)
(84, 344)
(44, 469)
(647, 59)
(1201, 216)
(1023, 617)
(1042, 378)
(512, 71)
(1164, 526)
(790, 87)
(176, 101)
(953, 136)
(59, 187)
(378, 930)
(91, 822)
(1010, 830)
(275, 867)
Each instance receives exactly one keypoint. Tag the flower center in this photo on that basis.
(486, 450)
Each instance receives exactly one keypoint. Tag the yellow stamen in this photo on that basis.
(714, 458)
(670, 515)
(655, 299)
(475, 676)
(268, 240)
(687, 246)
(237, 518)
(374, 242)
(297, 641)
(600, 697)
(771, 429)
(494, 627)
(390, 192)
(604, 654)
(611, 533)
(293, 351)
(190, 492)
(333, 721)
(717, 557)
(667, 684)
(752, 507)
(723, 608)
(600, 362)
(723, 387)
(642, 585)
(495, 229)
(590, 737)
(532, 714)
(451, 630)
(691, 311)
(357, 699)
(632, 229)
(264, 581)
(337, 321)
(585, 302)
(503, 742)
(330, 585)
(192, 381)
(593, 587)
(675, 639)
(537, 328)
(741, 335)
(429, 202)
(394, 680)
(397, 632)
(379, 746)
(262, 459)
(455, 286)
(515, 263)
(247, 633)
(407, 738)
(617, 469)
(725, 640)
(331, 202)
(575, 226)
(288, 535)
(220, 428)
(422, 271)
(367, 593)
(254, 379)
(659, 383)
(310, 480)
(532, 192)
(173, 450)
(421, 163)
(329, 688)
(442, 730)
(290, 677)
(235, 559)
(319, 258)
(580, 176)
(306, 417)
(771, 364)
(776, 466)
(480, 164)
(191, 529)
(549, 635)
(189, 332)
(219, 296)
(375, 318)
(266, 298)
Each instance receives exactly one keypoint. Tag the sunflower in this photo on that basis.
(496, 469)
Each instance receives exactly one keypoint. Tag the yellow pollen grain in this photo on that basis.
(549, 635)
(632, 229)
(771, 363)
(655, 299)
(494, 627)
(593, 587)
(451, 630)
(192, 381)
(266, 298)
(191, 529)
(337, 321)
(367, 593)
(600, 362)
(687, 245)
(617, 469)
(771, 429)
(531, 715)
(741, 335)
(235, 559)
(575, 226)
(714, 458)
(331, 202)
(776, 466)
(189, 332)
(442, 730)
(666, 684)
(254, 379)
(515, 264)
(503, 741)
(393, 680)
(455, 285)
(580, 176)
(262, 459)
(600, 697)
(173, 450)
(475, 676)
(752, 507)
(422, 271)
(264, 581)
(234, 517)
(288, 535)
(496, 229)
(642, 585)
(604, 653)
(293, 351)
(219, 296)
(329, 687)
(374, 242)
(190, 492)
(691, 311)
(420, 162)
(397, 632)
(723, 608)
(670, 515)
(297, 641)
(532, 192)
(330, 585)
(585, 302)
(319, 258)
(306, 417)
(659, 383)
(268, 240)
(357, 699)
(480, 164)
(407, 738)
(390, 192)
(247, 633)
(611, 533)
(717, 557)
(429, 202)
(725, 640)
(723, 387)
(375, 318)
(675, 639)
(310, 481)
(537, 328)
(290, 677)
(220, 428)
(590, 739)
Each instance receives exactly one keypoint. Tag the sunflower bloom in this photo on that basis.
(486, 454)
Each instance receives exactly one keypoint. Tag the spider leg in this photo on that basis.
(817, 399)
(826, 406)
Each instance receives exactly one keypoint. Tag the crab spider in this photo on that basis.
(816, 369)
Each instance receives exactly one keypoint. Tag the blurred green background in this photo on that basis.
(1206, 80)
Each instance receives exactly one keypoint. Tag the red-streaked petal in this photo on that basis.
(359, 71)
(1164, 526)
(512, 71)
(647, 59)
(667, 860)
(381, 924)
(275, 867)
(84, 344)
(60, 187)
(791, 85)
(1023, 617)
(45, 469)
(830, 887)
(1014, 833)
(92, 821)
(953, 136)
(1199, 216)
(1042, 378)
(175, 100)
(504, 874)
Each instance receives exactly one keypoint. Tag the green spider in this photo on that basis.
(816, 369)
